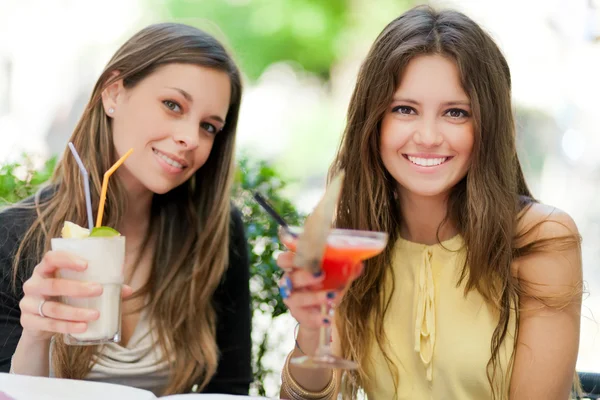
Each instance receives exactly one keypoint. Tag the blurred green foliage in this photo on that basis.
(261, 231)
(313, 34)
(21, 179)
(263, 32)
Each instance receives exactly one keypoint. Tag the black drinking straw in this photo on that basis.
(267, 207)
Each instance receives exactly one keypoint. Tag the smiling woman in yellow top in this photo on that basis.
(478, 293)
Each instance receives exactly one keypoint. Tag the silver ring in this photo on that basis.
(40, 308)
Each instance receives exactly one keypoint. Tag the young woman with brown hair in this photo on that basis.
(478, 292)
(172, 93)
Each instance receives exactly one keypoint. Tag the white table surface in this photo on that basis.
(22, 387)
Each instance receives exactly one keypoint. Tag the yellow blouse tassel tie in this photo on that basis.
(425, 322)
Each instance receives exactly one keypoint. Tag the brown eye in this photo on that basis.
(457, 113)
(405, 110)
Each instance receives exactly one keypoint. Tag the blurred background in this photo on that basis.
(300, 59)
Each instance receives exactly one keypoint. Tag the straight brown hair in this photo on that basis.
(192, 221)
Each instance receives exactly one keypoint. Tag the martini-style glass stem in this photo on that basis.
(324, 349)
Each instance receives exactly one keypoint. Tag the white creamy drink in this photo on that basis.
(106, 257)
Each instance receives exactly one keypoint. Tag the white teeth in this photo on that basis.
(168, 160)
(427, 162)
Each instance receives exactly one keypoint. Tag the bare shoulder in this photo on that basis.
(551, 257)
(542, 221)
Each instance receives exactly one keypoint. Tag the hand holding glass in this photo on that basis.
(105, 257)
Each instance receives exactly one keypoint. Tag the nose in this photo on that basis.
(187, 136)
(427, 134)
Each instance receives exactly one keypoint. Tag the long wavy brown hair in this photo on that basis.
(486, 205)
(192, 220)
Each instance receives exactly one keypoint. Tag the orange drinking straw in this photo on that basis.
(107, 175)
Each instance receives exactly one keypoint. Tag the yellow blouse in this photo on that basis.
(439, 340)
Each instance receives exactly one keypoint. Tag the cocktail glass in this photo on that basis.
(345, 251)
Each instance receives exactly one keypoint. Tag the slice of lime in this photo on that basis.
(104, 231)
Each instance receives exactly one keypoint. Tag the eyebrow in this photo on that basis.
(448, 103)
(190, 100)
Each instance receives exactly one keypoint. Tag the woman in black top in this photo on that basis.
(172, 93)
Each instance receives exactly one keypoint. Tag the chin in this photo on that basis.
(161, 188)
(421, 190)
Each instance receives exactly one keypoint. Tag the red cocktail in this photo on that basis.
(341, 265)
(343, 255)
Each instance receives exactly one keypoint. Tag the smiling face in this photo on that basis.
(427, 131)
(170, 119)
